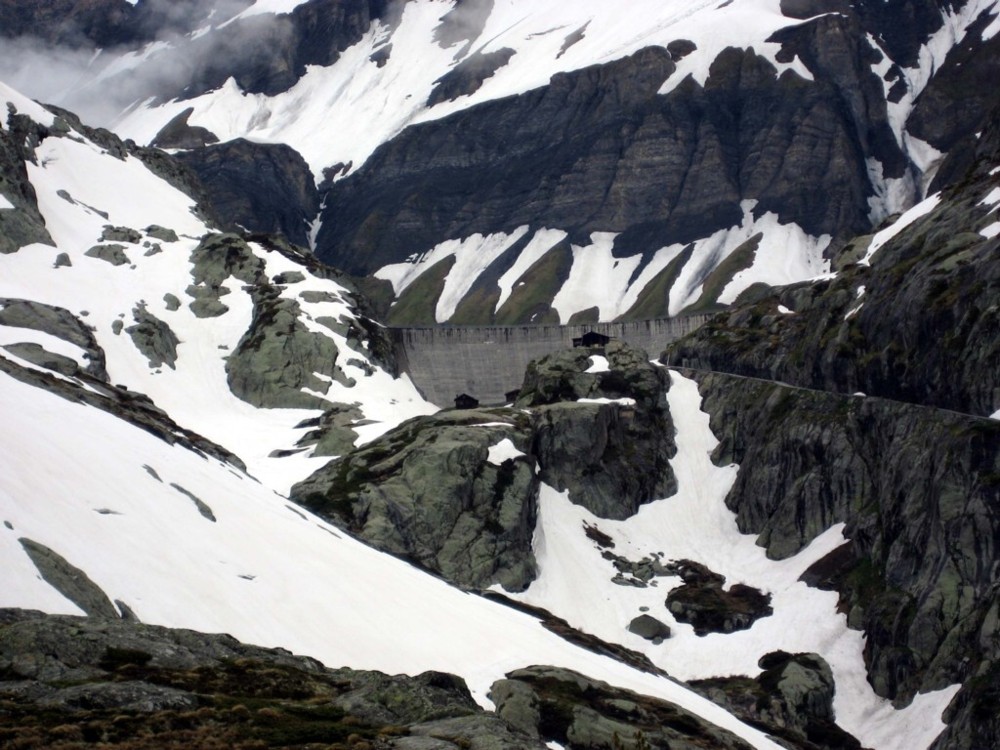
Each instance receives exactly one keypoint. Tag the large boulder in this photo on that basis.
(430, 491)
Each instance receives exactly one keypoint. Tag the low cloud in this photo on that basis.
(99, 84)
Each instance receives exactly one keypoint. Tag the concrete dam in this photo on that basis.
(488, 361)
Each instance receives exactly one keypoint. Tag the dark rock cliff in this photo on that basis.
(918, 325)
(258, 186)
(919, 490)
(914, 473)
(600, 149)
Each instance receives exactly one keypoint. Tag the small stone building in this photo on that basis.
(591, 340)
(465, 401)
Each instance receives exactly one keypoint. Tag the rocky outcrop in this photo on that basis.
(109, 253)
(428, 492)
(69, 580)
(23, 224)
(58, 322)
(431, 492)
(72, 682)
(213, 261)
(135, 408)
(612, 457)
(261, 187)
(558, 705)
(279, 359)
(702, 602)
(468, 76)
(792, 697)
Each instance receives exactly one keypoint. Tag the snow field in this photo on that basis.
(264, 572)
(574, 582)
(196, 394)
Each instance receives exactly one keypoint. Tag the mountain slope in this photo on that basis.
(186, 316)
(652, 148)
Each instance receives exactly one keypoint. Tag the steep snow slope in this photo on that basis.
(116, 503)
(363, 103)
(81, 189)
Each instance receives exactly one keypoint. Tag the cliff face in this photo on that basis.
(911, 468)
(918, 489)
(601, 150)
(916, 325)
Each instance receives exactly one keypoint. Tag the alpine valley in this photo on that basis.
(251, 249)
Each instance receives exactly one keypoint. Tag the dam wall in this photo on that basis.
(487, 361)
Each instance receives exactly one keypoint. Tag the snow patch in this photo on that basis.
(598, 364)
(881, 238)
(542, 241)
(505, 450)
(992, 198)
(990, 231)
(473, 255)
(174, 569)
(4, 203)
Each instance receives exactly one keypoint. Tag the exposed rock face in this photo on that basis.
(278, 357)
(134, 408)
(72, 682)
(793, 697)
(870, 329)
(959, 103)
(111, 253)
(600, 149)
(258, 186)
(179, 134)
(611, 458)
(918, 490)
(23, 224)
(272, 52)
(648, 627)
(216, 258)
(565, 707)
(101, 23)
(430, 492)
(69, 580)
(466, 77)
